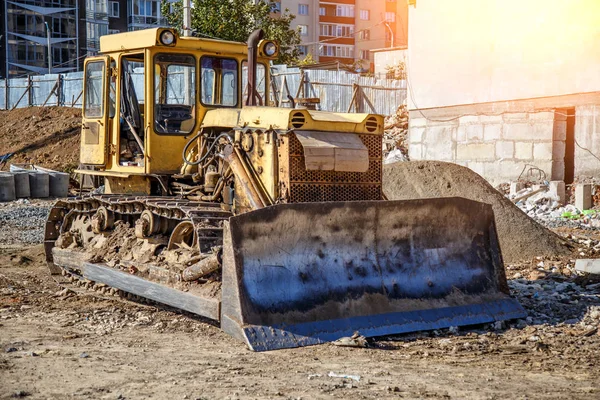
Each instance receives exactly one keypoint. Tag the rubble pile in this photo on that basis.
(395, 136)
(546, 208)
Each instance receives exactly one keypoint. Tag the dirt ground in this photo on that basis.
(58, 345)
(46, 136)
(58, 341)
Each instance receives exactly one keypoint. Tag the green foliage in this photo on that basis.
(308, 60)
(397, 71)
(235, 20)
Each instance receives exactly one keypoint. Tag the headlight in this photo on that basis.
(167, 38)
(270, 49)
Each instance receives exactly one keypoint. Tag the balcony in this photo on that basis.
(96, 16)
(137, 20)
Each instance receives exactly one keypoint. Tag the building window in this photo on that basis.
(365, 34)
(336, 30)
(322, 11)
(303, 50)
(365, 15)
(114, 9)
(113, 31)
(364, 54)
(337, 51)
(275, 7)
(344, 11)
(390, 16)
(303, 29)
(302, 9)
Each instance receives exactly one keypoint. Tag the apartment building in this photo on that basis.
(346, 31)
(75, 28)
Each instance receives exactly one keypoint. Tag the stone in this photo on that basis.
(542, 151)
(415, 151)
(492, 132)
(475, 151)
(557, 189)
(416, 135)
(583, 196)
(523, 150)
(536, 275)
(505, 149)
(515, 187)
(417, 122)
(468, 119)
(591, 266)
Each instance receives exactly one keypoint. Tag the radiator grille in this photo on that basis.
(316, 186)
(309, 193)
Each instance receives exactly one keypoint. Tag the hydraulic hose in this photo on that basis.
(187, 146)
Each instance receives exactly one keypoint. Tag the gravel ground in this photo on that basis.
(23, 221)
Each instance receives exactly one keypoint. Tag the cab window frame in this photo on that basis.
(156, 99)
(237, 90)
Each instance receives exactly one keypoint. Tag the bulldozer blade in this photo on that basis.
(307, 273)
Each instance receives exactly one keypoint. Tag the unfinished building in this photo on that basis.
(506, 87)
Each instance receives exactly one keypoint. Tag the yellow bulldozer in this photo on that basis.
(270, 221)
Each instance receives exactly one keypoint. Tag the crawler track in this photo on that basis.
(166, 235)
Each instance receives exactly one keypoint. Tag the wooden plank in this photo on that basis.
(206, 307)
(209, 308)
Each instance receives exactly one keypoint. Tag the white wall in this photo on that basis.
(477, 51)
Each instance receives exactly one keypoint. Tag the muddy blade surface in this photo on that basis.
(303, 274)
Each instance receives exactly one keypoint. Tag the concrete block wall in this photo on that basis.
(498, 147)
(587, 137)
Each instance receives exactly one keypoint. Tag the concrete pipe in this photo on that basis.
(59, 184)
(7, 187)
(39, 184)
(21, 184)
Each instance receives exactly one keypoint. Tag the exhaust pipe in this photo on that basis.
(253, 40)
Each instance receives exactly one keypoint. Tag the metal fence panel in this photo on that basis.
(17, 92)
(338, 91)
(3, 92)
(72, 89)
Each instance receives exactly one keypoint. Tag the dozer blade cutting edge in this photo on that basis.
(302, 274)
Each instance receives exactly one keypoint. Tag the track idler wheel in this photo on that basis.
(103, 220)
(147, 225)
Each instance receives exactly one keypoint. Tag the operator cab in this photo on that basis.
(157, 88)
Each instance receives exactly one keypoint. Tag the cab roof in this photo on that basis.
(146, 38)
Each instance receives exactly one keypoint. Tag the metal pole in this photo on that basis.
(187, 17)
(49, 48)
(391, 34)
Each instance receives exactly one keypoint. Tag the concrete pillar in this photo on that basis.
(39, 184)
(59, 184)
(7, 187)
(515, 187)
(557, 189)
(21, 184)
(583, 196)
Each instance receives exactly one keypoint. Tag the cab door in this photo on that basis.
(95, 111)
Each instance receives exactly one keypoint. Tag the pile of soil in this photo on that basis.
(45, 136)
(521, 238)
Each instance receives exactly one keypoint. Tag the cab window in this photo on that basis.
(174, 93)
(219, 86)
(94, 90)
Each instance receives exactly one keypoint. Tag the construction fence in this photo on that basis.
(326, 90)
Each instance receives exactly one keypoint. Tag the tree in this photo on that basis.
(235, 20)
